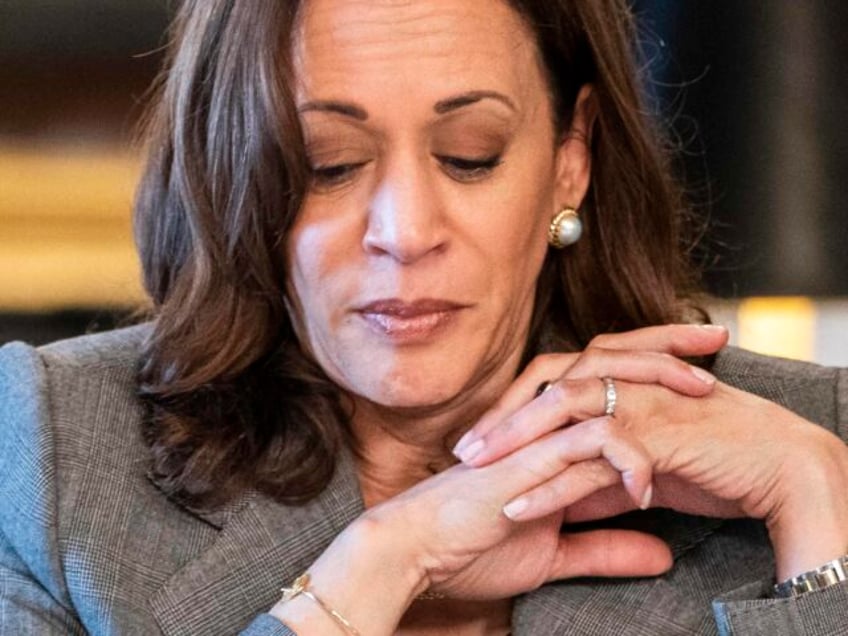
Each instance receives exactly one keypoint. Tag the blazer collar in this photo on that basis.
(262, 546)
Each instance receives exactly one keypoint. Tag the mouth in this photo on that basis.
(409, 322)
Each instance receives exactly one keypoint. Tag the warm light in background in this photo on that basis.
(780, 326)
(65, 228)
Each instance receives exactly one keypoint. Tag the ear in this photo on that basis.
(574, 155)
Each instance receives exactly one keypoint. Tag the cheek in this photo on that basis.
(516, 230)
(303, 259)
(311, 261)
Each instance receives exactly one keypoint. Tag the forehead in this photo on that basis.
(413, 45)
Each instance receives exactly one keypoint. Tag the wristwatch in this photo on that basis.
(829, 574)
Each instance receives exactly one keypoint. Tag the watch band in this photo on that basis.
(829, 574)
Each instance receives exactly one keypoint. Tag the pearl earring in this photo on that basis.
(566, 228)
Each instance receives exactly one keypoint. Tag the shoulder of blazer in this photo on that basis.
(816, 393)
(109, 349)
(51, 401)
(27, 492)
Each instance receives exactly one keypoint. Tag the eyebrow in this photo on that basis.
(332, 106)
(441, 107)
(471, 97)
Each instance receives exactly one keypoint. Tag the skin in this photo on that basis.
(727, 454)
(407, 221)
(393, 214)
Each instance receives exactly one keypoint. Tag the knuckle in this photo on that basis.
(550, 364)
(554, 490)
(665, 357)
(541, 471)
(539, 363)
(593, 355)
(669, 360)
(607, 427)
(600, 340)
(560, 390)
(595, 472)
(586, 386)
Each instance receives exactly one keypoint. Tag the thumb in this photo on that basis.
(610, 553)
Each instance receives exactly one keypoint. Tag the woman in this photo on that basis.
(375, 360)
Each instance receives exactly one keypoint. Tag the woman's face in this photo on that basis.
(413, 262)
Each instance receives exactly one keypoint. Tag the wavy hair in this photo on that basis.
(232, 401)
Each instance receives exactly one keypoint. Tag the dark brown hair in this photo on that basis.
(232, 401)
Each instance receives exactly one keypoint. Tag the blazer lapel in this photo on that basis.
(634, 607)
(262, 546)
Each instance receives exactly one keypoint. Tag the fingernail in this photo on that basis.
(463, 442)
(713, 328)
(516, 507)
(646, 497)
(704, 376)
(468, 454)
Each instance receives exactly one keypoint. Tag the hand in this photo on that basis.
(607, 355)
(726, 454)
(467, 542)
(449, 532)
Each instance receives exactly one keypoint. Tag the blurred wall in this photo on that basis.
(73, 75)
(757, 93)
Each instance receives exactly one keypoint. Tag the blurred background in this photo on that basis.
(754, 94)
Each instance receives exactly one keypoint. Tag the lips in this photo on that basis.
(403, 309)
(415, 321)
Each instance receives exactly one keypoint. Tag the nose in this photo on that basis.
(404, 220)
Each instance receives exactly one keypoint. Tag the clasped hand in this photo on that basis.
(490, 527)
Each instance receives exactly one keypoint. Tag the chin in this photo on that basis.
(420, 377)
(419, 395)
(412, 388)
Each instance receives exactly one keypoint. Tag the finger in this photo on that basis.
(577, 484)
(644, 367)
(542, 368)
(608, 356)
(677, 340)
(543, 460)
(603, 504)
(610, 553)
(669, 491)
(564, 402)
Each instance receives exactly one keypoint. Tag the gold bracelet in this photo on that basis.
(299, 588)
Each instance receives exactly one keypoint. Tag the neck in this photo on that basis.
(399, 447)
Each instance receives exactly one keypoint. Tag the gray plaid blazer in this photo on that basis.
(88, 545)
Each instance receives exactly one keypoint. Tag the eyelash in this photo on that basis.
(469, 170)
(458, 168)
(333, 175)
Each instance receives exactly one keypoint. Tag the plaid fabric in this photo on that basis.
(88, 545)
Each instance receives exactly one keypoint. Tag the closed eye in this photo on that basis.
(468, 169)
(335, 174)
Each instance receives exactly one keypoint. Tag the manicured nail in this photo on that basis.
(516, 507)
(704, 376)
(468, 454)
(464, 441)
(713, 328)
(646, 497)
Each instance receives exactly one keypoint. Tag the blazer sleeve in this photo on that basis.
(821, 395)
(33, 595)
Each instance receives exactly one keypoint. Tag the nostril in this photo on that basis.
(405, 224)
